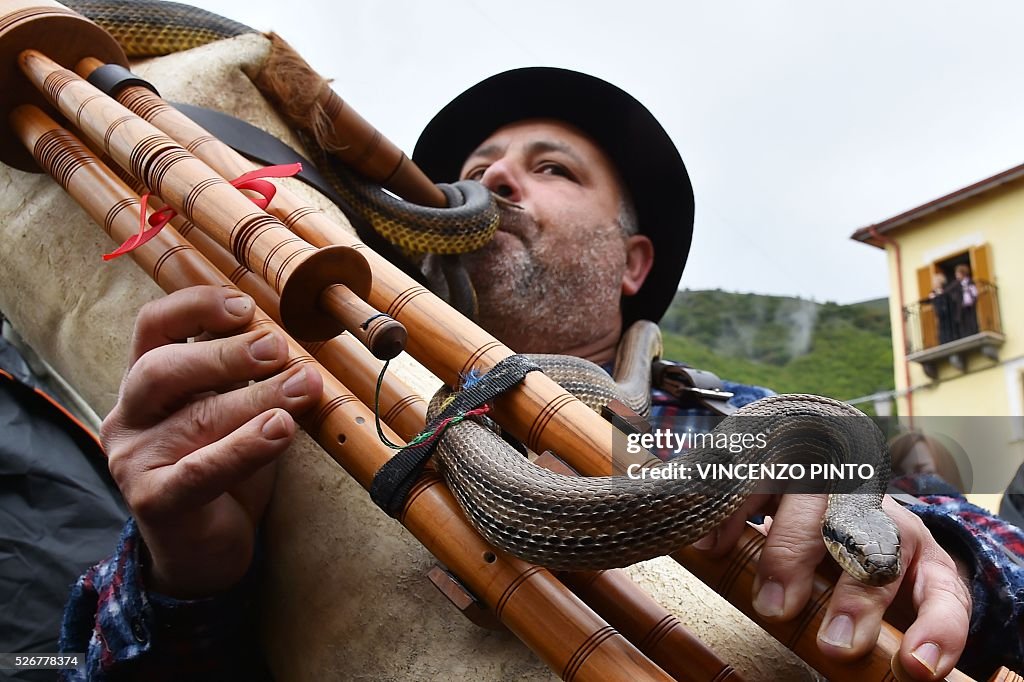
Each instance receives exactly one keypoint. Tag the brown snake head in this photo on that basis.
(868, 550)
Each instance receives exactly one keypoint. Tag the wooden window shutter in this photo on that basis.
(981, 271)
(927, 323)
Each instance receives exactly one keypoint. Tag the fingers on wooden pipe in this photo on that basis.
(383, 335)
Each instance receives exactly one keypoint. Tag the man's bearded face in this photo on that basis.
(552, 277)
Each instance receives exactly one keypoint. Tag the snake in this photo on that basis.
(568, 522)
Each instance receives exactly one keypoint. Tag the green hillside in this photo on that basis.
(788, 344)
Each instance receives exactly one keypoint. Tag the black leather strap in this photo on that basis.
(113, 78)
(257, 145)
(395, 479)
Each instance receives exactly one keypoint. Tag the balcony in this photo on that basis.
(937, 331)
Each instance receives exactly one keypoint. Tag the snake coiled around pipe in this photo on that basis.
(594, 523)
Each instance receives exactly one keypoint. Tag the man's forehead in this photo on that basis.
(552, 134)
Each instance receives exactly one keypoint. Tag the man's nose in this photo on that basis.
(502, 179)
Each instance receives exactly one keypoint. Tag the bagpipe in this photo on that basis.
(343, 306)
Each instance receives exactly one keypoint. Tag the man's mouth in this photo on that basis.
(514, 221)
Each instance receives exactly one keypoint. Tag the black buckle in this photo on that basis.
(691, 386)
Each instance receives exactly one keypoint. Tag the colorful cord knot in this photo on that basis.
(429, 435)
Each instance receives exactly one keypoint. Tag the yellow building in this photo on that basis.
(958, 347)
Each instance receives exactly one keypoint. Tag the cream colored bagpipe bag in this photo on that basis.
(345, 594)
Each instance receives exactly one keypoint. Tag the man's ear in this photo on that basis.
(639, 259)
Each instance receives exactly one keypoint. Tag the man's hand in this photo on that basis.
(931, 645)
(191, 443)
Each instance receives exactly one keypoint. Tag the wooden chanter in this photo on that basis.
(315, 279)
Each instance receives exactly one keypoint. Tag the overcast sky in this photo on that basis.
(799, 122)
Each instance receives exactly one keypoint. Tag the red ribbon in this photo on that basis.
(251, 181)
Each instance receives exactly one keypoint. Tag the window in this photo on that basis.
(951, 310)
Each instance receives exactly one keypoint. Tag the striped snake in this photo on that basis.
(594, 523)
(569, 522)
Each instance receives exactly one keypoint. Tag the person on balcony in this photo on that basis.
(964, 295)
(940, 299)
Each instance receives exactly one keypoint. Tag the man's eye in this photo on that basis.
(476, 173)
(554, 169)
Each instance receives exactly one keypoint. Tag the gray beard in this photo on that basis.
(537, 301)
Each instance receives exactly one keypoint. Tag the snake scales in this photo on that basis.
(596, 523)
(569, 522)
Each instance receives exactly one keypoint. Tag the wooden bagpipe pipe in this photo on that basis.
(316, 279)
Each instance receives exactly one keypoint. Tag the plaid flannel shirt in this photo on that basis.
(994, 550)
(129, 633)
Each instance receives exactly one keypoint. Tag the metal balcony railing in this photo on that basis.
(940, 327)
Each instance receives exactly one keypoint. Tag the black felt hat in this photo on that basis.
(637, 145)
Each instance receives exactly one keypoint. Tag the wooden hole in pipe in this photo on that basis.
(489, 557)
